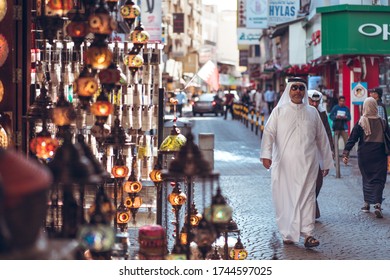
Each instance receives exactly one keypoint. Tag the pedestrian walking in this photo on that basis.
(229, 100)
(340, 115)
(372, 159)
(293, 142)
(315, 100)
(181, 100)
(270, 98)
(259, 101)
(377, 93)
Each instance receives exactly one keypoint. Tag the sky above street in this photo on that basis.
(222, 4)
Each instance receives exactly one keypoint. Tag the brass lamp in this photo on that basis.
(122, 216)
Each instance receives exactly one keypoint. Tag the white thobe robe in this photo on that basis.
(296, 141)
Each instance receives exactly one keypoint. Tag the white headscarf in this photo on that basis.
(370, 111)
(285, 98)
(310, 93)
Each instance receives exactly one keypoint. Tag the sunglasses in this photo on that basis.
(296, 87)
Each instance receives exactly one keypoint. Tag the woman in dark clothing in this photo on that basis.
(372, 159)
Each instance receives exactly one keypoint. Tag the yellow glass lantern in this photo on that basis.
(99, 56)
(102, 23)
(238, 252)
(130, 11)
(133, 60)
(139, 35)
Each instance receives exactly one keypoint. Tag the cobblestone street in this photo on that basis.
(344, 231)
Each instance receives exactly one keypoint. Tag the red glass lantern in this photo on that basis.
(44, 146)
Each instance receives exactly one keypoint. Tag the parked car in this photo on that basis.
(207, 103)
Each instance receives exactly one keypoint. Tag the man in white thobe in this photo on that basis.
(294, 143)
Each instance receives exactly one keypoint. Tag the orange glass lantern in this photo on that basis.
(122, 216)
(177, 198)
(58, 7)
(63, 114)
(132, 185)
(99, 56)
(120, 170)
(238, 252)
(86, 84)
(102, 108)
(156, 175)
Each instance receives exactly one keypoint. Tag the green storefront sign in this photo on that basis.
(354, 29)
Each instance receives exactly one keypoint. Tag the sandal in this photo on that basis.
(310, 241)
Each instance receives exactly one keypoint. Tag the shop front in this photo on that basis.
(350, 44)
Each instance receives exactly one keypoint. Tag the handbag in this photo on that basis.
(386, 140)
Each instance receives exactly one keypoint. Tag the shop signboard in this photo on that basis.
(365, 29)
(256, 13)
(151, 17)
(281, 11)
(358, 92)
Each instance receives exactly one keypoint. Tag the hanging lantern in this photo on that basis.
(63, 114)
(177, 198)
(86, 85)
(77, 29)
(99, 56)
(110, 77)
(204, 236)
(133, 61)
(120, 170)
(219, 212)
(195, 216)
(58, 7)
(130, 11)
(122, 216)
(139, 37)
(156, 174)
(107, 208)
(174, 141)
(44, 146)
(102, 108)
(101, 22)
(238, 252)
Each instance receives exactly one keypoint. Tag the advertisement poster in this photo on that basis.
(280, 11)
(256, 14)
(359, 93)
(151, 19)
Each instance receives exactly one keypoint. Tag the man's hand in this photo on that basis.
(325, 172)
(266, 162)
(345, 160)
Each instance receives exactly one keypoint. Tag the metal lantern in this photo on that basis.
(130, 11)
(219, 212)
(156, 175)
(238, 252)
(99, 55)
(110, 77)
(139, 37)
(204, 236)
(134, 61)
(195, 216)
